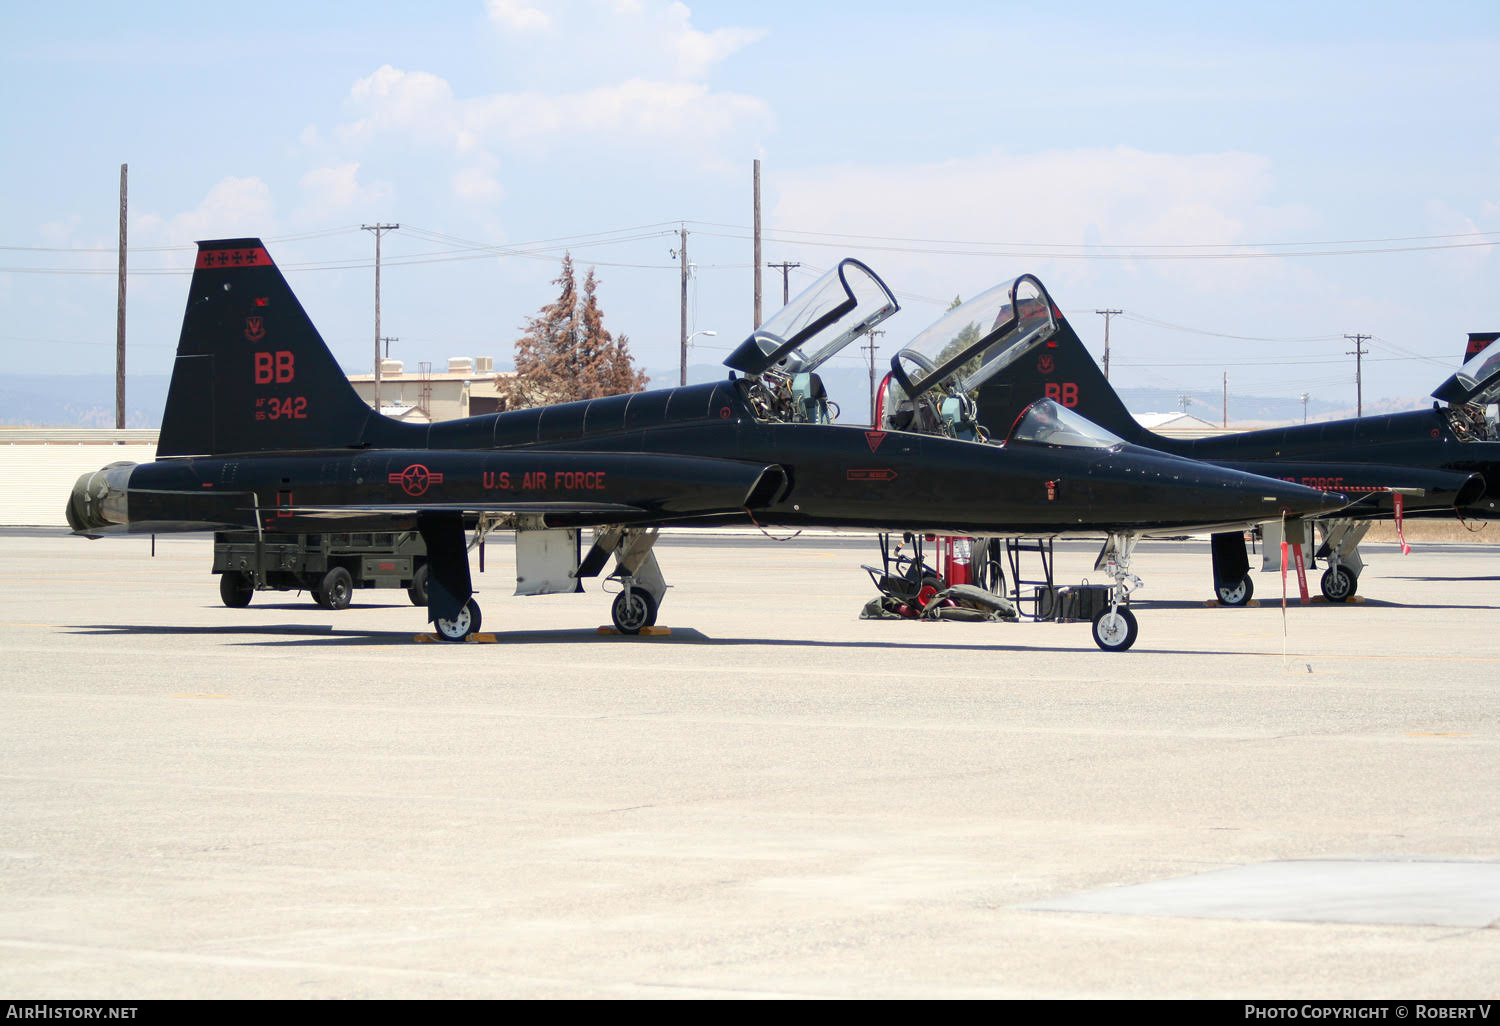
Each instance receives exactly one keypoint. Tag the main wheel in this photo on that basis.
(418, 590)
(462, 625)
(235, 588)
(1237, 594)
(335, 590)
(1115, 631)
(633, 611)
(1339, 584)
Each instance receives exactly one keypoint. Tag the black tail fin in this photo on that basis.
(1477, 341)
(1061, 370)
(252, 373)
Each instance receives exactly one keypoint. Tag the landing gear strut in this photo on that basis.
(642, 586)
(1115, 628)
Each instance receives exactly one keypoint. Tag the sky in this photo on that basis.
(1249, 184)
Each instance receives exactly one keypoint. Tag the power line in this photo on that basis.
(1090, 245)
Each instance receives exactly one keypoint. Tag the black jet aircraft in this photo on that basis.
(262, 432)
(1435, 462)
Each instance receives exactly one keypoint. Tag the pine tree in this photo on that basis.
(609, 367)
(567, 354)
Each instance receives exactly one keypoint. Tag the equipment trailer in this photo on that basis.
(329, 566)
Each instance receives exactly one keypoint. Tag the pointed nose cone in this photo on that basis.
(1208, 494)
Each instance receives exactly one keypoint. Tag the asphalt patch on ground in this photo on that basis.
(1407, 892)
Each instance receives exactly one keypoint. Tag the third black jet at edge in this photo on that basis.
(1440, 461)
(263, 432)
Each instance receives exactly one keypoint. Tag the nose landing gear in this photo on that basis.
(1115, 628)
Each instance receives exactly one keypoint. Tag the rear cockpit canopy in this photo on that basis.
(976, 340)
(1477, 382)
(825, 317)
(1045, 422)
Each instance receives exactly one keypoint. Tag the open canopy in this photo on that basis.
(975, 340)
(1477, 381)
(825, 317)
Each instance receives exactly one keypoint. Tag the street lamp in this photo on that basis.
(687, 345)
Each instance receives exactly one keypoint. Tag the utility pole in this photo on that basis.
(871, 348)
(388, 339)
(785, 286)
(1184, 400)
(757, 245)
(1305, 397)
(1358, 352)
(120, 314)
(1226, 399)
(378, 229)
(1106, 315)
(682, 253)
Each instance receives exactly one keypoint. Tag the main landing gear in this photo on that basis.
(1239, 593)
(633, 610)
(1115, 628)
(641, 584)
(461, 626)
(1339, 584)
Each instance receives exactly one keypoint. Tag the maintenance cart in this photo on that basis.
(328, 566)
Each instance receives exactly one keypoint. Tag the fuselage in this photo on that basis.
(698, 454)
(1364, 458)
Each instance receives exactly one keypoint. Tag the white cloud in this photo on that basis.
(420, 107)
(414, 104)
(696, 52)
(476, 185)
(623, 76)
(59, 233)
(638, 110)
(234, 206)
(1028, 206)
(519, 16)
(594, 41)
(329, 189)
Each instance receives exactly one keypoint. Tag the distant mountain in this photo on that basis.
(1259, 409)
(88, 400)
(80, 400)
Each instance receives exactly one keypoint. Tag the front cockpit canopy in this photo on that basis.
(976, 340)
(1477, 382)
(825, 317)
(1045, 422)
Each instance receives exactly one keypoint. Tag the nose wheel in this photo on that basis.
(1115, 629)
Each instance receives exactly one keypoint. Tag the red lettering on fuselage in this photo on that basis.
(549, 480)
(1335, 484)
